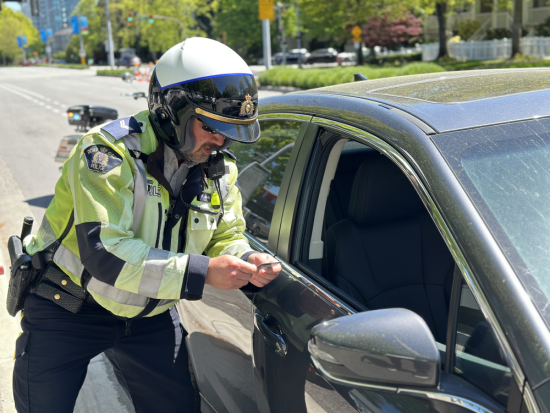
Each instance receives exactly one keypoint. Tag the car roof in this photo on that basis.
(458, 100)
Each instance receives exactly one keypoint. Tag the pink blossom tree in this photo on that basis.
(386, 31)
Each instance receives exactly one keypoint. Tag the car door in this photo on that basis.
(301, 297)
(220, 325)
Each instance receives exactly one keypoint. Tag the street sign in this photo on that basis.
(74, 24)
(356, 32)
(43, 37)
(266, 10)
(82, 53)
(84, 23)
(48, 49)
(21, 41)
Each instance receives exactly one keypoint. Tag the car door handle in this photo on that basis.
(274, 341)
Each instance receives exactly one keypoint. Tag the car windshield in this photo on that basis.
(506, 171)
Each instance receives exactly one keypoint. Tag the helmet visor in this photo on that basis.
(240, 133)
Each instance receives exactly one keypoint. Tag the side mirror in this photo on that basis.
(385, 348)
(127, 77)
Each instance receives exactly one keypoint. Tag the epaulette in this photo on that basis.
(230, 154)
(122, 127)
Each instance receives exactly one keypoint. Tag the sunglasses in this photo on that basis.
(208, 129)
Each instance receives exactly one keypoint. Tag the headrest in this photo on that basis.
(381, 192)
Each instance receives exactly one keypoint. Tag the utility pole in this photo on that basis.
(82, 51)
(266, 36)
(281, 24)
(298, 34)
(266, 14)
(110, 36)
(23, 44)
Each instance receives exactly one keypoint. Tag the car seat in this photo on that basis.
(388, 253)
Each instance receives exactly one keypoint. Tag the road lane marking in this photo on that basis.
(13, 90)
(17, 93)
(38, 95)
(28, 92)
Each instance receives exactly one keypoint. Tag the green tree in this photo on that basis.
(145, 37)
(239, 20)
(334, 19)
(12, 25)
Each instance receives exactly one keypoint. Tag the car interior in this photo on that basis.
(374, 240)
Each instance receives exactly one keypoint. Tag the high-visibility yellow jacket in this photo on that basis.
(127, 241)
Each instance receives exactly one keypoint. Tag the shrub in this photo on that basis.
(314, 78)
(467, 28)
(114, 73)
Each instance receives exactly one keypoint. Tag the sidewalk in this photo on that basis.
(12, 210)
(9, 331)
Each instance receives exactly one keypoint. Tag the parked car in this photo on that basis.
(277, 58)
(295, 54)
(346, 57)
(128, 58)
(322, 56)
(410, 215)
(128, 61)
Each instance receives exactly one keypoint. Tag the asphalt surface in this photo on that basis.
(33, 104)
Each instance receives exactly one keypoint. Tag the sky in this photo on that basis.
(13, 5)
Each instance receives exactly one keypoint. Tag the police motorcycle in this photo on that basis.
(85, 117)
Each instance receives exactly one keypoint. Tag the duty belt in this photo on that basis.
(57, 286)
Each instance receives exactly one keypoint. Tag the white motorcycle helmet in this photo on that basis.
(205, 79)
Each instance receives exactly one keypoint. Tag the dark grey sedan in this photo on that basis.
(412, 218)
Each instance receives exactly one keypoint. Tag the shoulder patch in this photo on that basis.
(101, 158)
(230, 154)
(123, 127)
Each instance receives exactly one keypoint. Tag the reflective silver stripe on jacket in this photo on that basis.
(224, 186)
(46, 233)
(153, 271)
(66, 259)
(140, 180)
(118, 296)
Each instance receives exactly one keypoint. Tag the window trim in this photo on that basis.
(390, 152)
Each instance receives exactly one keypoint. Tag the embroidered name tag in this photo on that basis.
(101, 158)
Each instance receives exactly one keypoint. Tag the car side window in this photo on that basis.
(261, 169)
(478, 356)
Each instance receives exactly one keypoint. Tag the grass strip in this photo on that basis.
(319, 77)
(63, 66)
(114, 72)
(517, 62)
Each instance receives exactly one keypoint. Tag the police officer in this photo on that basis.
(146, 212)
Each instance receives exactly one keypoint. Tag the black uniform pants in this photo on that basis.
(53, 353)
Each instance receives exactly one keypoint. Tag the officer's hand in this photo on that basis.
(228, 272)
(264, 276)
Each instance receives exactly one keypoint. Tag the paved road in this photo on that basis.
(33, 103)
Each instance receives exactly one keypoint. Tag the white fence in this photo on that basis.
(489, 49)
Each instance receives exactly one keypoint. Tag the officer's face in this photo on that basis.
(205, 143)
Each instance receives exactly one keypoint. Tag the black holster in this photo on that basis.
(23, 276)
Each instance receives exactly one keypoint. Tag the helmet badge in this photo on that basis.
(247, 108)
